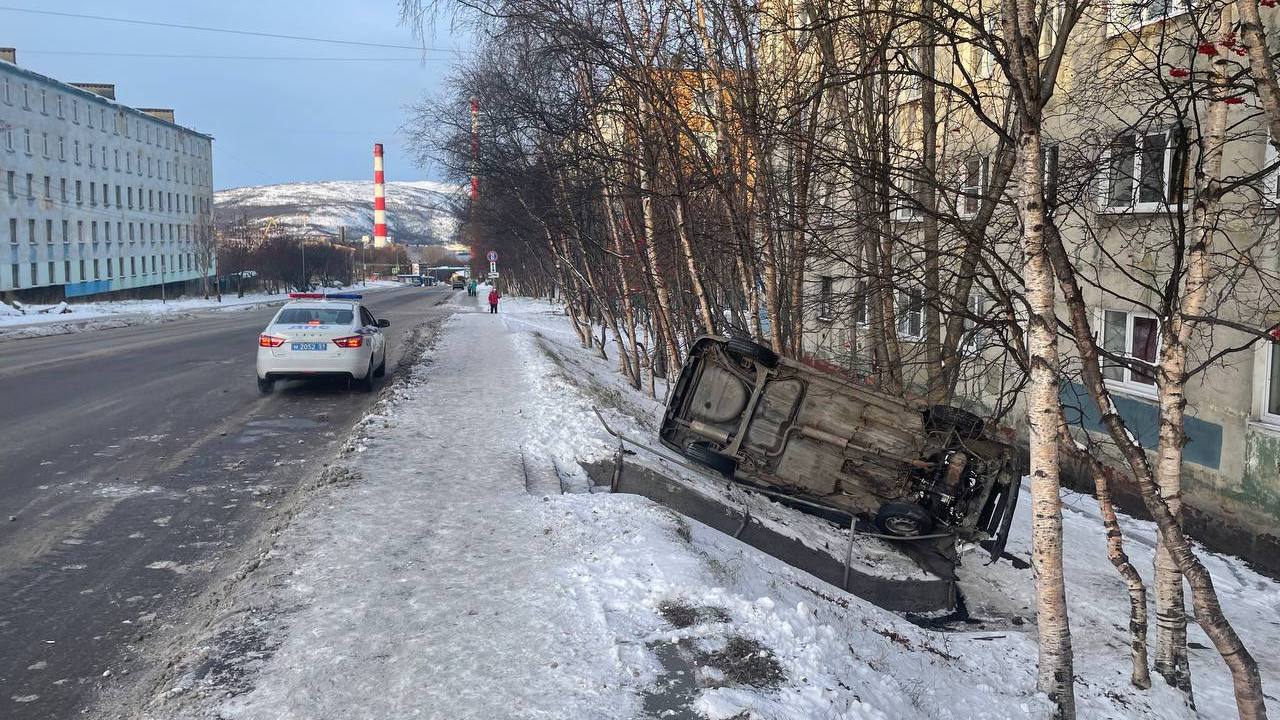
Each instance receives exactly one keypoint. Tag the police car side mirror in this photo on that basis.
(384, 323)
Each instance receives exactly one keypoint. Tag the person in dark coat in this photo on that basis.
(493, 301)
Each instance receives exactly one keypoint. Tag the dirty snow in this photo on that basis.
(431, 583)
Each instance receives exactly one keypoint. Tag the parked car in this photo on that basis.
(821, 441)
(322, 335)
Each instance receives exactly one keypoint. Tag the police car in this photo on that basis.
(322, 335)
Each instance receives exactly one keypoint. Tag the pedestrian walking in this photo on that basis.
(493, 301)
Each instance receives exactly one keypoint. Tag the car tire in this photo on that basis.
(701, 452)
(365, 384)
(266, 386)
(903, 519)
(966, 424)
(741, 347)
(381, 370)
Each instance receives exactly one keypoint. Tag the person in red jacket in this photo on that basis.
(493, 301)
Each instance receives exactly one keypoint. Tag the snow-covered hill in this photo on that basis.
(417, 212)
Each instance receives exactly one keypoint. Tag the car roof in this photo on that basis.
(321, 304)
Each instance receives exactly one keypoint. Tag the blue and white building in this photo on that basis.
(95, 196)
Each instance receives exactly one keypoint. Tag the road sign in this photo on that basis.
(493, 256)
(493, 276)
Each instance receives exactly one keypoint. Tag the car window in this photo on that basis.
(366, 318)
(318, 316)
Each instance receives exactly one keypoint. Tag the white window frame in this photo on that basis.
(913, 81)
(826, 298)
(971, 191)
(984, 66)
(1127, 384)
(1121, 17)
(903, 302)
(975, 337)
(1271, 192)
(1270, 354)
(1133, 205)
(910, 209)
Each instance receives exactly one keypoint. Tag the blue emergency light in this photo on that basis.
(344, 296)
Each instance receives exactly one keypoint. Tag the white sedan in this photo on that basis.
(319, 335)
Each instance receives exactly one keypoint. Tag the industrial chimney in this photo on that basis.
(379, 199)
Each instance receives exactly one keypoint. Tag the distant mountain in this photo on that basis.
(418, 213)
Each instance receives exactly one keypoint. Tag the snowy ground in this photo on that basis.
(40, 320)
(430, 582)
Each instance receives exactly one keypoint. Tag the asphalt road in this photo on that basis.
(136, 463)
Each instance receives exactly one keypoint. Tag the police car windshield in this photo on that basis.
(322, 316)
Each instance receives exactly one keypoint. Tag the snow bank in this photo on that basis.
(42, 320)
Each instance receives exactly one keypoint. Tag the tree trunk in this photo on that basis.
(1056, 674)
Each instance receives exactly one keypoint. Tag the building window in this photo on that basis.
(1270, 385)
(75, 111)
(44, 102)
(31, 187)
(1140, 12)
(10, 181)
(8, 138)
(63, 195)
(93, 194)
(1132, 336)
(982, 59)
(26, 96)
(826, 291)
(1049, 159)
(973, 185)
(62, 148)
(5, 89)
(96, 273)
(26, 136)
(910, 304)
(1144, 171)
(79, 193)
(48, 188)
(45, 143)
(60, 111)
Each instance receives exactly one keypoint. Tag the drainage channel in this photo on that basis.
(932, 595)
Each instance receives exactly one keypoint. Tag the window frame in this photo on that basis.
(1169, 199)
(826, 298)
(1126, 383)
(1271, 355)
(974, 193)
(1116, 24)
(905, 311)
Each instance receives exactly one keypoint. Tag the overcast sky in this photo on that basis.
(272, 120)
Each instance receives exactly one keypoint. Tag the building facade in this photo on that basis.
(1119, 137)
(96, 197)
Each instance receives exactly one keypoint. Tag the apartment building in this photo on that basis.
(95, 196)
(1118, 148)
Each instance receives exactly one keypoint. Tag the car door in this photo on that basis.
(375, 334)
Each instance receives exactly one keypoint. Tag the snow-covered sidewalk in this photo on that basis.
(434, 584)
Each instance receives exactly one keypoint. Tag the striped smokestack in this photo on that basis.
(379, 199)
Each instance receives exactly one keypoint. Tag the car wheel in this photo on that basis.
(266, 386)
(965, 423)
(382, 367)
(365, 384)
(741, 347)
(701, 452)
(903, 519)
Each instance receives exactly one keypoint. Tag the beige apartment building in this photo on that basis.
(1121, 138)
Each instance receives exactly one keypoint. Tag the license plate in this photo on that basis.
(308, 346)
